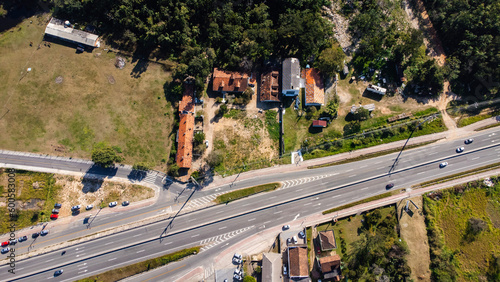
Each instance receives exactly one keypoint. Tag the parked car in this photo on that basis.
(4, 244)
(89, 207)
(389, 186)
(36, 234)
(460, 149)
(58, 272)
(441, 165)
(54, 216)
(112, 204)
(294, 238)
(13, 241)
(125, 203)
(55, 211)
(206, 143)
(5, 250)
(302, 235)
(238, 256)
(44, 232)
(284, 270)
(57, 206)
(236, 260)
(468, 141)
(75, 208)
(236, 277)
(286, 227)
(22, 239)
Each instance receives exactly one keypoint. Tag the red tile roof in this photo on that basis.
(330, 267)
(186, 128)
(327, 239)
(298, 264)
(319, 123)
(315, 91)
(228, 81)
(269, 85)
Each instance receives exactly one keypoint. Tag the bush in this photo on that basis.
(104, 155)
(141, 166)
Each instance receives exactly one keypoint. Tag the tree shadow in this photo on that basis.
(315, 130)
(136, 175)
(17, 11)
(95, 175)
(142, 64)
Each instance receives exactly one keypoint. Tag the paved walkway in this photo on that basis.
(454, 133)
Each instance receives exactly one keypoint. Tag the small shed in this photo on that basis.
(63, 30)
(376, 89)
(319, 123)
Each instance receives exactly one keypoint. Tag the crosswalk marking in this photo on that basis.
(295, 182)
(214, 241)
(201, 202)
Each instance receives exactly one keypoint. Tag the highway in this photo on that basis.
(305, 193)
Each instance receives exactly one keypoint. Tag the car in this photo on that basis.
(288, 241)
(36, 234)
(236, 261)
(286, 227)
(75, 208)
(468, 141)
(5, 250)
(13, 241)
(44, 232)
(58, 272)
(206, 143)
(80, 49)
(301, 234)
(55, 211)
(4, 244)
(237, 272)
(441, 165)
(389, 186)
(284, 270)
(294, 238)
(54, 216)
(236, 255)
(22, 239)
(125, 203)
(89, 207)
(236, 277)
(112, 204)
(460, 149)
(57, 206)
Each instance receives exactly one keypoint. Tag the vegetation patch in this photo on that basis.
(487, 127)
(243, 193)
(463, 238)
(373, 198)
(464, 121)
(457, 175)
(140, 267)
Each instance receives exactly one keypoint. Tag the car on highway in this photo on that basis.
(125, 203)
(5, 250)
(286, 227)
(44, 232)
(389, 186)
(113, 204)
(58, 272)
(55, 211)
(75, 208)
(89, 207)
(460, 149)
(468, 141)
(22, 239)
(35, 235)
(57, 206)
(4, 244)
(54, 216)
(13, 241)
(444, 164)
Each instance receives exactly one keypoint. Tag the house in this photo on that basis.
(229, 81)
(271, 267)
(327, 240)
(330, 268)
(319, 123)
(376, 89)
(185, 134)
(315, 91)
(63, 30)
(269, 83)
(290, 77)
(369, 107)
(298, 263)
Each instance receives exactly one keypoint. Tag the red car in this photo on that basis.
(54, 216)
(6, 243)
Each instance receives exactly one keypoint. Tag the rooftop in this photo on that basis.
(57, 28)
(269, 86)
(291, 74)
(315, 91)
(229, 81)
(297, 260)
(330, 267)
(271, 267)
(327, 240)
(186, 128)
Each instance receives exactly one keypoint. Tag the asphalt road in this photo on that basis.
(330, 187)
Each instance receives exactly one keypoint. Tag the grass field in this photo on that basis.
(95, 102)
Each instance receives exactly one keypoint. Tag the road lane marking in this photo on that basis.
(136, 235)
(276, 196)
(223, 228)
(82, 268)
(278, 212)
(336, 196)
(219, 212)
(365, 188)
(349, 170)
(475, 158)
(299, 189)
(49, 260)
(379, 162)
(246, 204)
(195, 235)
(363, 166)
(352, 175)
(421, 172)
(79, 251)
(168, 243)
(267, 222)
(252, 219)
(307, 204)
(139, 251)
(108, 243)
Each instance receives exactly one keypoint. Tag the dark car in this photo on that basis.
(5, 250)
(468, 141)
(57, 206)
(55, 211)
(44, 232)
(389, 186)
(13, 241)
(75, 208)
(58, 272)
(125, 203)
(35, 235)
(22, 239)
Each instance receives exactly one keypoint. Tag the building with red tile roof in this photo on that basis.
(319, 123)
(185, 134)
(315, 91)
(330, 268)
(327, 240)
(269, 84)
(297, 262)
(229, 81)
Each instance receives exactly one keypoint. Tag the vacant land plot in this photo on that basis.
(36, 194)
(70, 101)
(466, 220)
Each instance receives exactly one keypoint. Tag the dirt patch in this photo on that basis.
(111, 79)
(59, 79)
(414, 232)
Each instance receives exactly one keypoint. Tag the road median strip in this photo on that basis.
(246, 192)
(373, 198)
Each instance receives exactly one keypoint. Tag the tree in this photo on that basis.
(362, 114)
(104, 155)
(311, 111)
(199, 137)
(352, 128)
(222, 110)
(173, 170)
(332, 107)
(249, 279)
(476, 226)
(331, 60)
(214, 159)
(141, 166)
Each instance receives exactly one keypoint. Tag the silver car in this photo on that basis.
(112, 204)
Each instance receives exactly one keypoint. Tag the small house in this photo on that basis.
(319, 123)
(330, 268)
(315, 91)
(62, 30)
(298, 263)
(269, 83)
(290, 77)
(376, 89)
(229, 81)
(327, 240)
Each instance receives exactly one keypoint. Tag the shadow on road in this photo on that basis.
(94, 177)
(171, 223)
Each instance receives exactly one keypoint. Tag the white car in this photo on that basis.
(441, 165)
(112, 204)
(294, 238)
(89, 207)
(206, 143)
(460, 149)
(75, 208)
